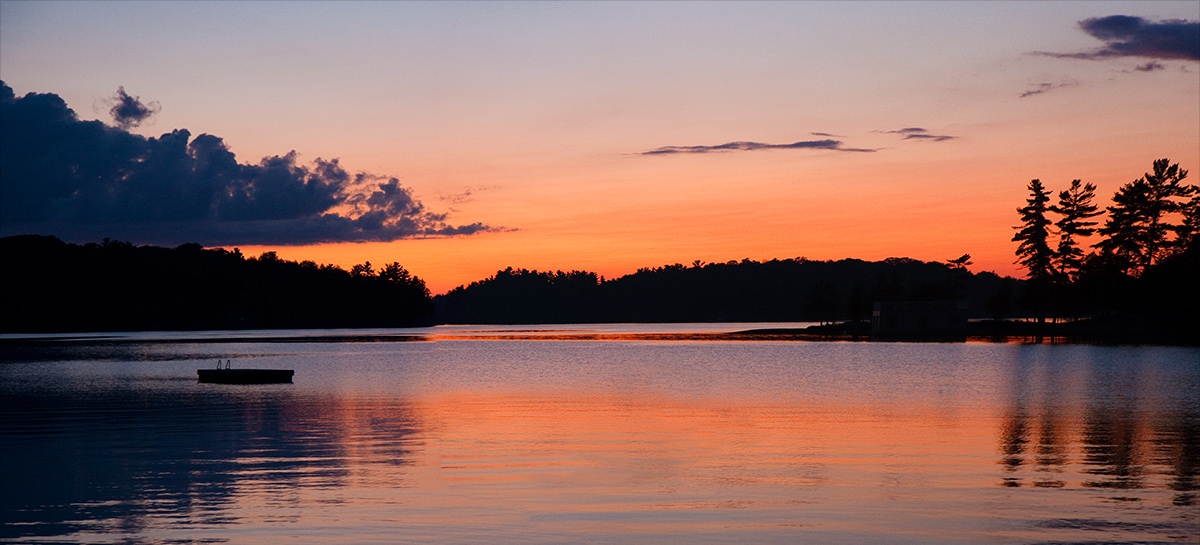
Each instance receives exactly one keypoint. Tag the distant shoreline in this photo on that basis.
(1101, 332)
(1089, 332)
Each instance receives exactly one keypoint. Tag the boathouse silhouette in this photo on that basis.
(944, 321)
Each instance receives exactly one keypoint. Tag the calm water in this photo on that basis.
(459, 435)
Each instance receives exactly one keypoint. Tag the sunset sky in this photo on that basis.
(609, 136)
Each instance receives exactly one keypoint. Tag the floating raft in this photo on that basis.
(245, 376)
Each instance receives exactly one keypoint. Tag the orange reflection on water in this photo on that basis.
(623, 442)
(608, 467)
(625, 467)
(470, 465)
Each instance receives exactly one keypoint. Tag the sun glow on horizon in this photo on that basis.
(612, 137)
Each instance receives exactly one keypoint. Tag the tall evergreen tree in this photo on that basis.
(1076, 209)
(1124, 243)
(1138, 223)
(1034, 252)
(1189, 230)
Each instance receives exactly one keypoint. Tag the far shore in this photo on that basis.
(1087, 331)
(1104, 331)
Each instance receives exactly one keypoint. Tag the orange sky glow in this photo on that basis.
(533, 119)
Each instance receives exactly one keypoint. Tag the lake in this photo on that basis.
(594, 434)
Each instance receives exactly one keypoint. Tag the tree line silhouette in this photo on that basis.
(50, 285)
(1139, 279)
(736, 291)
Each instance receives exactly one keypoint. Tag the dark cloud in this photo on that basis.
(84, 180)
(917, 133)
(1046, 86)
(1150, 67)
(753, 146)
(1128, 36)
(128, 111)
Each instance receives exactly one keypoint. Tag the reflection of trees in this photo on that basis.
(126, 461)
(1047, 455)
(1014, 435)
(1051, 452)
(1110, 447)
(1127, 437)
(1177, 445)
(1013, 438)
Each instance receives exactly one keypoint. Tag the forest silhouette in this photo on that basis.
(1140, 280)
(53, 286)
(736, 291)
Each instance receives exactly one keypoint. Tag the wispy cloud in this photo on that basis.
(458, 198)
(84, 180)
(1129, 36)
(827, 144)
(917, 133)
(466, 195)
(1047, 86)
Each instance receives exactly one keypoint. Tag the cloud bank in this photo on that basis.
(828, 144)
(1128, 36)
(84, 180)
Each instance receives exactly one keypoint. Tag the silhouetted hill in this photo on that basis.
(49, 285)
(745, 291)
